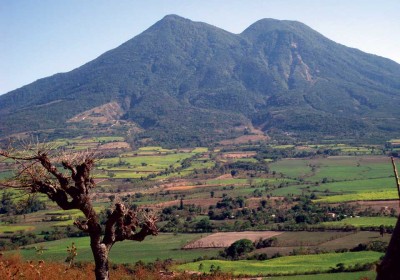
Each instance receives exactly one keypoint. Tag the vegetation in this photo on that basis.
(187, 138)
(198, 191)
(38, 173)
(339, 262)
(204, 87)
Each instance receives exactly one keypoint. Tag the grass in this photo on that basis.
(163, 246)
(293, 168)
(364, 222)
(108, 139)
(335, 168)
(344, 187)
(14, 229)
(361, 196)
(379, 184)
(285, 265)
(330, 276)
(200, 150)
(160, 161)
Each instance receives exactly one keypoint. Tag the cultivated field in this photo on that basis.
(285, 265)
(225, 239)
(186, 185)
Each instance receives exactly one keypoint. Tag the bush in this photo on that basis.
(239, 248)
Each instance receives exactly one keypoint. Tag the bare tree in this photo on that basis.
(40, 170)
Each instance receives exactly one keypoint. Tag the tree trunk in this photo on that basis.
(100, 254)
(389, 269)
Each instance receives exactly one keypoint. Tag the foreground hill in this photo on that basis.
(184, 81)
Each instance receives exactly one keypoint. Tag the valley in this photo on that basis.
(291, 200)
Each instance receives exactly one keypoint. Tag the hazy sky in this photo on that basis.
(39, 38)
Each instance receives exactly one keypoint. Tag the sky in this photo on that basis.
(39, 38)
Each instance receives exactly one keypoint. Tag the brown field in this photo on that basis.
(384, 205)
(115, 145)
(225, 239)
(317, 241)
(225, 176)
(239, 155)
(303, 148)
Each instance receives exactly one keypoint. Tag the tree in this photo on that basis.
(38, 172)
(239, 248)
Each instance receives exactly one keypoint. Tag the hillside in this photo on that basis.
(189, 82)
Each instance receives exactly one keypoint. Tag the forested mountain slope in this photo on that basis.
(189, 81)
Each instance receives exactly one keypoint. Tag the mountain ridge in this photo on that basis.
(181, 79)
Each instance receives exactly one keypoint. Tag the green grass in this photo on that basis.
(379, 184)
(6, 174)
(13, 229)
(286, 265)
(343, 187)
(330, 276)
(364, 222)
(200, 150)
(158, 162)
(362, 196)
(109, 139)
(163, 246)
(293, 168)
(335, 168)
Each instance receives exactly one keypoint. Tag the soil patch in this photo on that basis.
(239, 155)
(225, 239)
(115, 145)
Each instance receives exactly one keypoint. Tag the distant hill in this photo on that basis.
(189, 82)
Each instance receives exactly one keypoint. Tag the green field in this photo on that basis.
(163, 246)
(293, 168)
(364, 222)
(362, 196)
(14, 229)
(335, 168)
(331, 276)
(285, 265)
(366, 186)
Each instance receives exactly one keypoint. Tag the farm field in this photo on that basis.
(245, 189)
(225, 239)
(330, 276)
(13, 229)
(327, 241)
(123, 252)
(335, 168)
(362, 196)
(364, 222)
(285, 265)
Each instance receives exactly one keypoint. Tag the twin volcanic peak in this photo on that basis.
(185, 81)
